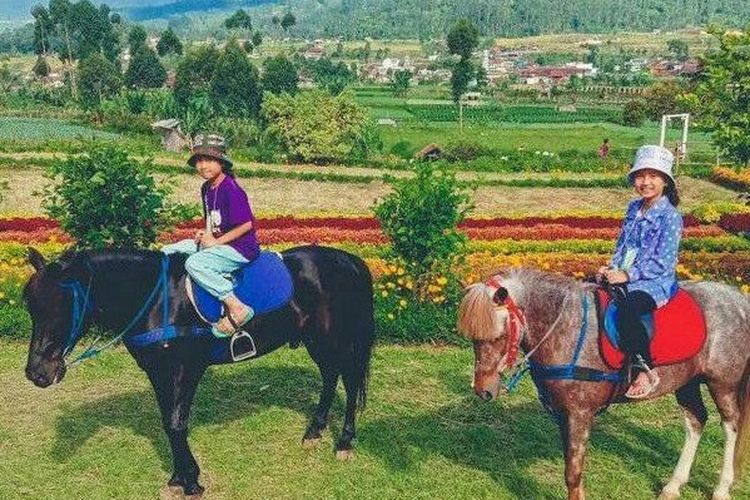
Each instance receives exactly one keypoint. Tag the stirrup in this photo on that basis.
(241, 356)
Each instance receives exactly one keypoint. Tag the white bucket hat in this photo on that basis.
(654, 157)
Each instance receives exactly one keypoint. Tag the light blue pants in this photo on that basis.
(209, 266)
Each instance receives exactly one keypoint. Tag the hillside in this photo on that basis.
(356, 19)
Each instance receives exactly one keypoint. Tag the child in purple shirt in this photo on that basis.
(645, 257)
(229, 240)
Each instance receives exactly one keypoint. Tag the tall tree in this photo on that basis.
(463, 38)
(279, 76)
(463, 73)
(194, 74)
(169, 43)
(234, 84)
(99, 80)
(239, 20)
(145, 71)
(287, 21)
(43, 29)
(61, 17)
(137, 38)
(721, 100)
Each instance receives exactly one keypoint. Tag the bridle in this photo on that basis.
(517, 328)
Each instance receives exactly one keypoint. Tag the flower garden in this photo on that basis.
(572, 244)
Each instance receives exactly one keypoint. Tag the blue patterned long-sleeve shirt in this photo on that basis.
(654, 239)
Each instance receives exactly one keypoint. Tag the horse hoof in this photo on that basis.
(344, 455)
(310, 443)
(194, 491)
(668, 495)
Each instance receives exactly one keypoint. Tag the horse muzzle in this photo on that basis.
(489, 392)
(45, 373)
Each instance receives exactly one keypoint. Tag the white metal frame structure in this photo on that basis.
(665, 119)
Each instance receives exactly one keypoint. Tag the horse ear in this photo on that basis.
(500, 295)
(36, 259)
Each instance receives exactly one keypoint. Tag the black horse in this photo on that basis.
(331, 313)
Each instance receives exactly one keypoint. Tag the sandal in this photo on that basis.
(227, 326)
(639, 391)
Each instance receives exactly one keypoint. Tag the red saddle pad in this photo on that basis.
(679, 332)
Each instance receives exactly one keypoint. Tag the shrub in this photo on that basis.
(104, 198)
(403, 149)
(421, 217)
(464, 151)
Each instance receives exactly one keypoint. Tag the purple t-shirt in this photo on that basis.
(226, 207)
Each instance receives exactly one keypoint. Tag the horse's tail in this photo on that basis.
(742, 446)
(364, 338)
(476, 314)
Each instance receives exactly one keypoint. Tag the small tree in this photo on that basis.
(279, 76)
(145, 71)
(662, 99)
(400, 82)
(678, 49)
(257, 39)
(169, 43)
(41, 68)
(634, 113)
(99, 79)
(103, 198)
(421, 217)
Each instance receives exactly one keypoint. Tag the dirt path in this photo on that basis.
(308, 197)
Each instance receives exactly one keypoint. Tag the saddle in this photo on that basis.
(677, 330)
(264, 284)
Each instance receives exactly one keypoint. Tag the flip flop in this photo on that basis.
(646, 390)
(223, 328)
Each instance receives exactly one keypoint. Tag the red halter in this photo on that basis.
(516, 322)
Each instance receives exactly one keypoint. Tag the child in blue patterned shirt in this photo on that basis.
(645, 257)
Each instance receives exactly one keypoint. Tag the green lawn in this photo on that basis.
(47, 129)
(549, 137)
(423, 435)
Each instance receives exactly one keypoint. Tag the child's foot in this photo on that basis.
(643, 386)
(228, 325)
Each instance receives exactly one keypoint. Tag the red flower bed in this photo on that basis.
(27, 224)
(735, 223)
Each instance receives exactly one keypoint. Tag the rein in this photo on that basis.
(82, 305)
(541, 372)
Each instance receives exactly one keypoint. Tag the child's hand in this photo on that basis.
(207, 240)
(615, 276)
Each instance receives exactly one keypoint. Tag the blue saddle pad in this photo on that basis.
(264, 284)
(610, 324)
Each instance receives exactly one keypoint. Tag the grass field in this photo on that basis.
(423, 435)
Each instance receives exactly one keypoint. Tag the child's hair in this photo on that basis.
(228, 169)
(670, 191)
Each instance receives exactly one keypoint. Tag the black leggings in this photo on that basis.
(633, 336)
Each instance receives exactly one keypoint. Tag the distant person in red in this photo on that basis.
(604, 149)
